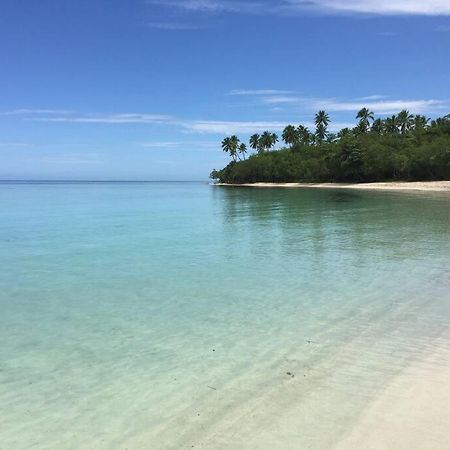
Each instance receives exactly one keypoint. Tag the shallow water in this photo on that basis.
(167, 315)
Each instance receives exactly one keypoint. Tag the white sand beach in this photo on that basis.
(437, 186)
(413, 411)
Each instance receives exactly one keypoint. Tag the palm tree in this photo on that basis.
(242, 150)
(321, 121)
(405, 121)
(234, 140)
(226, 146)
(420, 122)
(265, 141)
(230, 145)
(378, 126)
(304, 135)
(331, 137)
(391, 125)
(255, 141)
(344, 133)
(290, 135)
(365, 116)
(273, 139)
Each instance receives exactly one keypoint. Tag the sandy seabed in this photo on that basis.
(413, 411)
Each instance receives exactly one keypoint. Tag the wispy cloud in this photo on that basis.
(377, 103)
(211, 6)
(178, 145)
(283, 7)
(19, 112)
(175, 26)
(108, 118)
(385, 106)
(237, 127)
(13, 144)
(376, 7)
(306, 105)
(372, 97)
(230, 127)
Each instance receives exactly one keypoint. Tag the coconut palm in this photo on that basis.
(255, 140)
(235, 145)
(378, 126)
(273, 139)
(226, 145)
(266, 141)
(331, 137)
(321, 120)
(290, 135)
(405, 121)
(242, 150)
(344, 133)
(391, 125)
(304, 135)
(365, 116)
(420, 122)
(230, 145)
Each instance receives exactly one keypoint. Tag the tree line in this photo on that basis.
(401, 146)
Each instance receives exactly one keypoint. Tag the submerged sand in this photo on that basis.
(410, 413)
(436, 186)
(413, 412)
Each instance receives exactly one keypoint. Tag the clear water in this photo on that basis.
(167, 315)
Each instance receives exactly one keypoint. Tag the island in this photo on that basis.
(399, 148)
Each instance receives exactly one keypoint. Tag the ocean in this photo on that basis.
(182, 315)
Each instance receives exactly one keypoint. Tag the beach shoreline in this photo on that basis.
(412, 411)
(429, 186)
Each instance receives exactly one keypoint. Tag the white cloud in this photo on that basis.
(377, 103)
(238, 127)
(372, 97)
(174, 26)
(179, 145)
(230, 127)
(211, 6)
(19, 112)
(108, 118)
(279, 99)
(377, 7)
(385, 106)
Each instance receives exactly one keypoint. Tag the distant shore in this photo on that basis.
(435, 186)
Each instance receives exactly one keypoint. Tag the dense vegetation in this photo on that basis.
(401, 147)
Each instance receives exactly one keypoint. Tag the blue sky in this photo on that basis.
(146, 89)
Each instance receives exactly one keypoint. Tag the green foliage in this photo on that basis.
(402, 147)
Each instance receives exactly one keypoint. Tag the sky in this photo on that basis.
(147, 89)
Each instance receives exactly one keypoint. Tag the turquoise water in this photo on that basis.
(168, 315)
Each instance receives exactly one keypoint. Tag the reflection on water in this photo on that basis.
(131, 310)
